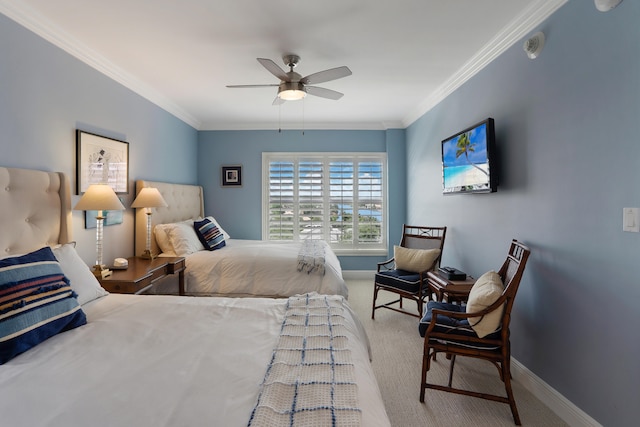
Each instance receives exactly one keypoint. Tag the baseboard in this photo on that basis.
(566, 410)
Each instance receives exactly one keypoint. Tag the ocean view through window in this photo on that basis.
(336, 197)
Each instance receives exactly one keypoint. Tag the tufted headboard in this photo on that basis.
(35, 210)
(184, 202)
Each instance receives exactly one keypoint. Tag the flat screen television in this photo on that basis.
(468, 160)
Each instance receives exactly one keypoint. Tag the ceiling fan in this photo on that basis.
(293, 86)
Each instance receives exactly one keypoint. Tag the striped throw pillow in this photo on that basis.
(36, 302)
(209, 234)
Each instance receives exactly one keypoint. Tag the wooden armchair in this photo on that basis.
(407, 277)
(450, 329)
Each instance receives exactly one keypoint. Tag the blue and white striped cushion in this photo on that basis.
(36, 302)
(209, 234)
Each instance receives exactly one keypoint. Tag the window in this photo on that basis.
(338, 197)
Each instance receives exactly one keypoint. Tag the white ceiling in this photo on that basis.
(405, 55)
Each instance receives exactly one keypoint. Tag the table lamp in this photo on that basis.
(148, 198)
(99, 197)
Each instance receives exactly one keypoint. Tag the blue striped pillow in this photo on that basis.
(36, 302)
(209, 234)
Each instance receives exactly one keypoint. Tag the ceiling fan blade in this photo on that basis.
(273, 68)
(236, 86)
(326, 75)
(323, 92)
(278, 101)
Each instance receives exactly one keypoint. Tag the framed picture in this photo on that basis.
(110, 218)
(232, 176)
(101, 160)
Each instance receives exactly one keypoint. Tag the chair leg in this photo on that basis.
(506, 374)
(373, 307)
(425, 368)
(453, 362)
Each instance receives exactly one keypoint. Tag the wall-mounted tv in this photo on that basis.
(468, 160)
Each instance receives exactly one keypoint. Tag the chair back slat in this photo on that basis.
(420, 237)
(413, 242)
(511, 274)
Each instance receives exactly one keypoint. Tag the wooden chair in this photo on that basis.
(411, 285)
(446, 328)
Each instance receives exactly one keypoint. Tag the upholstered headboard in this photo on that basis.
(184, 202)
(35, 210)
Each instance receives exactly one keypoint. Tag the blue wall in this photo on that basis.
(217, 148)
(46, 94)
(567, 135)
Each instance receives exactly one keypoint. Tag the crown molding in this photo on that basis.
(298, 126)
(33, 21)
(529, 19)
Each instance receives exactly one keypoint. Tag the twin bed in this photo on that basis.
(160, 360)
(240, 267)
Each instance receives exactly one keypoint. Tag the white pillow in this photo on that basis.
(83, 282)
(162, 238)
(485, 291)
(183, 238)
(414, 260)
(217, 224)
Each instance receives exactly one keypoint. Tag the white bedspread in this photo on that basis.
(160, 361)
(260, 268)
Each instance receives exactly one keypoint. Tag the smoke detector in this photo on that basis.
(606, 5)
(534, 45)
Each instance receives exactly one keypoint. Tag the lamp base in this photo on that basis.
(147, 255)
(101, 271)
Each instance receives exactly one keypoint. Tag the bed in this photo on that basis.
(241, 267)
(159, 360)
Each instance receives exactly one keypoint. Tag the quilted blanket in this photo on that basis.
(310, 379)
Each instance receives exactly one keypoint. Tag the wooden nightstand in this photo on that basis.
(449, 290)
(142, 273)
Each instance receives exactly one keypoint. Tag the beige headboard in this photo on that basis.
(184, 202)
(35, 210)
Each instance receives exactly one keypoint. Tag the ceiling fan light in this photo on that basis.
(291, 91)
(292, 95)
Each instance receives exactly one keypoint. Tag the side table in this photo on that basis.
(142, 273)
(449, 290)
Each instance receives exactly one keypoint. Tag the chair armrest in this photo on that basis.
(387, 265)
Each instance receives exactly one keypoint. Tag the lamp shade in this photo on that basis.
(99, 197)
(149, 197)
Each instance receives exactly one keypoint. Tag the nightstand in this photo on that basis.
(449, 290)
(142, 273)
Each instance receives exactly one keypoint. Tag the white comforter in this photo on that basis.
(160, 361)
(260, 268)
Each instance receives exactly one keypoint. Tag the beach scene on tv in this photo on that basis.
(464, 161)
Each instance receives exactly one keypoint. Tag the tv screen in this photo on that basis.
(468, 160)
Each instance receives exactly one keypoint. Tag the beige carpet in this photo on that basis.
(397, 363)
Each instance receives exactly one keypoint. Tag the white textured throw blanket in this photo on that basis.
(310, 379)
(311, 257)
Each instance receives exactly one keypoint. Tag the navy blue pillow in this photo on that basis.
(209, 234)
(36, 302)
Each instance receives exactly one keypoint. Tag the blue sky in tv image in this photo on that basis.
(464, 159)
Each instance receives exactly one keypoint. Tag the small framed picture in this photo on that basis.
(232, 176)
